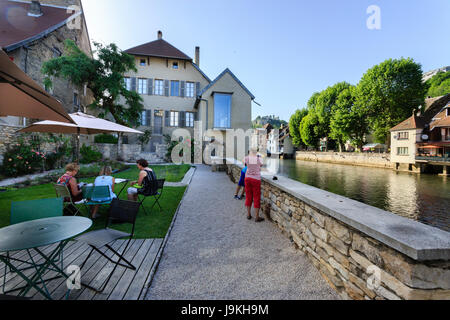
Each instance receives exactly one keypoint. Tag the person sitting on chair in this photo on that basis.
(146, 183)
(104, 179)
(68, 180)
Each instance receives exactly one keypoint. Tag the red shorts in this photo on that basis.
(253, 192)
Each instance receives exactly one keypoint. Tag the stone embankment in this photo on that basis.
(377, 160)
(363, 252)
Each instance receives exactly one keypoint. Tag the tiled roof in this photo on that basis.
(18, 29)
(413, 122)
(441, 120)
(158, 48)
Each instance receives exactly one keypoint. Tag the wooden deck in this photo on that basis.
(125, 284)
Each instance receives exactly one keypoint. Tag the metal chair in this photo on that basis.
(28, 211)
(121, 212)
(63, 192)
(96, 195)
(157, 196)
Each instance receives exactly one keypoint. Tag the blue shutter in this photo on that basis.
(150, 87)
(183, 89)
(166, 87)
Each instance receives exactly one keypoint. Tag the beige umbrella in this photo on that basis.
(22, 97)
(84, 124)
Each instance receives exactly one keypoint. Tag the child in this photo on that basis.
(241, 184)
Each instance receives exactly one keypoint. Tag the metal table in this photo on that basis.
(32, 235)
(125, 183)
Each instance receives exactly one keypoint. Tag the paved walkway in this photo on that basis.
(215, 253)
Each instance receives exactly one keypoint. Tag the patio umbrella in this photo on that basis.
(84, 124)
(22, 97)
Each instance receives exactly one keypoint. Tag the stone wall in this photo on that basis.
(361, 251)
(361, 159)
(130, 152)
(8, 136)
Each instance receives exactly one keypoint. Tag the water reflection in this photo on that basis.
(425, 198)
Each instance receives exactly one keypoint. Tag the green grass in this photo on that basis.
(155, 225)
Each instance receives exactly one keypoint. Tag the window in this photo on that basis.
(447, 134)
(146, 118)
(76, 99)
(403, 136)
(402, 151)
(190, 89)
(143, 63)
(159, 87)
(175, 88)
(175, 65)
(142, 86)
(127, 82)
(174, 116)
(189, 119)
(222, 111)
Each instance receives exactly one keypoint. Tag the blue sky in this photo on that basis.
(283, 50)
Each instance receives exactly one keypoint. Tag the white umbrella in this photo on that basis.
(22, 97)
(85, 124)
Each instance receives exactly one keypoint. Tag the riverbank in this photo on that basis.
(374, 160)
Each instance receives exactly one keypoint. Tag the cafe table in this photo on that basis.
(32, 235)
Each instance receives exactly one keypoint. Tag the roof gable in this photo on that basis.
(158, 48)
(411, 123)
(220, 77)
(18, 29)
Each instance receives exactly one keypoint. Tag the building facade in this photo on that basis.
(423, 140)
(176, 93)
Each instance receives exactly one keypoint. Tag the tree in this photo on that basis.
(439, 85)
(309, 130)
(103, 75)
(389, 93)
(294, 126)
(348, 121)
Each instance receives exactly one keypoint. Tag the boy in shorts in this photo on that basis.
(241, 184)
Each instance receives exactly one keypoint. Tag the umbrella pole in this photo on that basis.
(78, 146)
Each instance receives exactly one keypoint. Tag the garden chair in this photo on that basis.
(120, 212)
(33, 210)
(96, 195)
(63, 192)
(157, 195)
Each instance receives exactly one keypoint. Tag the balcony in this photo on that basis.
(437, 159)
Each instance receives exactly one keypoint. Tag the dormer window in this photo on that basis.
(175, 65)
(143, 63)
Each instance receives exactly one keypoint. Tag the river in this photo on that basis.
(425, 198)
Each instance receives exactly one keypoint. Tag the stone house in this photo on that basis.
(176, 93)
(33, 32)
(423, 139)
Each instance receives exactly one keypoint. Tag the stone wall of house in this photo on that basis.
(349, 259)
(8, 136)
(360, 159)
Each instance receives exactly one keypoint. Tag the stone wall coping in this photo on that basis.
(412, 238)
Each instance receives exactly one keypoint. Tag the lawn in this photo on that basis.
(155, 225)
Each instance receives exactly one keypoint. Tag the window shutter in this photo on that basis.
(166, 87)
(182, 119)
(150, 87)
(197, 89)
(196, 116)
(148, 115)
(133, 84)
(183, 89)
(167, 120)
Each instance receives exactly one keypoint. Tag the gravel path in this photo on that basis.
(215, 253)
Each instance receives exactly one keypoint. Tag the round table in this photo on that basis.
(39, 233)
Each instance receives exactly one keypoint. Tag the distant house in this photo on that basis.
(176, 93)
(280, 142)
(423, 139)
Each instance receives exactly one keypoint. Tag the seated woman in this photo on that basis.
(68, 180)
(104, 179)
(146, 175)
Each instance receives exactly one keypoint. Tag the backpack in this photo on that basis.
(149, 184)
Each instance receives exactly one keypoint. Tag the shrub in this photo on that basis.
(106, 138)
(21, 159)
(89, 155)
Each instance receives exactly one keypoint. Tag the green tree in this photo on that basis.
(309, 127)
(439, 85)
(348, 121)
(389, 93)
(294, 126)
(103, 75)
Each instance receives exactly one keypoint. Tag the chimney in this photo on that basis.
(35, 9)
(197, 56)
(159, 35)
